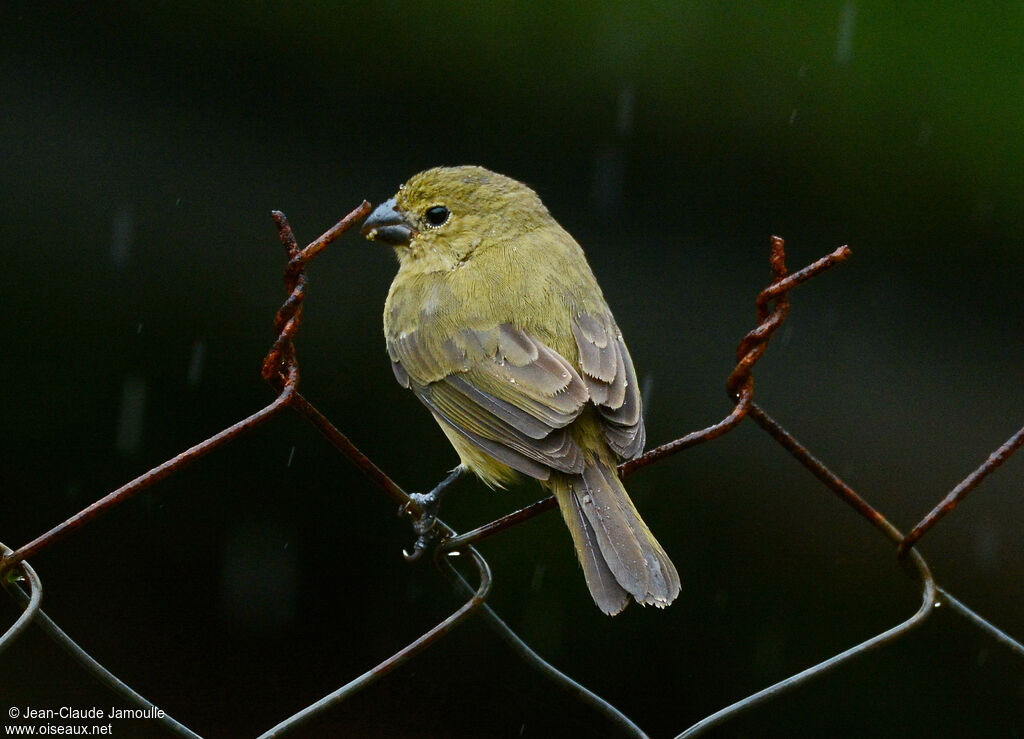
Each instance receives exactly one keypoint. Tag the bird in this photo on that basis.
(497, 324)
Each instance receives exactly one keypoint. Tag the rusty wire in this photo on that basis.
(957, 494)
(739, 385)
(286, 320)
(928, 587)
(280, 364)
(280, 368)
(147, 479)
(931, 594)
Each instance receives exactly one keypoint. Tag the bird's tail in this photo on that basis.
(619, 554)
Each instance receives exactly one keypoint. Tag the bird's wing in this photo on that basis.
(608, 373)
(501, 389)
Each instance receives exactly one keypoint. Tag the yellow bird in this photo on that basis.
(497, 324)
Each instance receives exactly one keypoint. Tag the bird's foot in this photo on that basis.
(424, 525)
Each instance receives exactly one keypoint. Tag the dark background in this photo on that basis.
(142, 147)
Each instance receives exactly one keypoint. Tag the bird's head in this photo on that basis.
(448, 214)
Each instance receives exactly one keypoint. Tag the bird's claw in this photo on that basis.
(421, 545)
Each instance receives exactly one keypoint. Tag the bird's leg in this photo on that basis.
(429, 504)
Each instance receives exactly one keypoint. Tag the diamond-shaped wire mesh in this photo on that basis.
(281, 370)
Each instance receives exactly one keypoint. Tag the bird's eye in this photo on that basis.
(437, 215)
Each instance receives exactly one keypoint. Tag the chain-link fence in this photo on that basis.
(281, 370)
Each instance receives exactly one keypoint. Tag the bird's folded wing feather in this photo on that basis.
(501, 389)
(608, 373)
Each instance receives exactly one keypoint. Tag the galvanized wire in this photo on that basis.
(10, 582)
(928, 593)
(33, 614)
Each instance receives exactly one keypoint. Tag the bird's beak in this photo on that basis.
(388, 224)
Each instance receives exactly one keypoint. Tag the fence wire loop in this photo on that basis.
(398, 658)
(280, 368)
(928, 596)
(21, 571)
